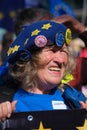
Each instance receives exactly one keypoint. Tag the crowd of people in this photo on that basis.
(39, 58)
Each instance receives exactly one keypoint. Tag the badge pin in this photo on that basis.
(40, 41)
(60, 39)
(68, 36)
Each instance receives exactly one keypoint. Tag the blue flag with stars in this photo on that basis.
(60, 7)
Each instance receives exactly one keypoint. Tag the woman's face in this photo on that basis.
(52, 68)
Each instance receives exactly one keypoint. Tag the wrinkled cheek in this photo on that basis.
(46, 59)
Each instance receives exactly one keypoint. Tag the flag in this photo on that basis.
(59, 7)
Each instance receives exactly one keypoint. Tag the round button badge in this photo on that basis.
(68, 36)
(40, 41)
(60, 39)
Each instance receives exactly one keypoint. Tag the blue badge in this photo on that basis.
(60, 39)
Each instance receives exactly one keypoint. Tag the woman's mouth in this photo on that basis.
(54, 69)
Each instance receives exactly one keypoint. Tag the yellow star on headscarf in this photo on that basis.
(83, 127)
(12, 49)
(41, 127)
(15, 48)
(35, 32)
(46, 26)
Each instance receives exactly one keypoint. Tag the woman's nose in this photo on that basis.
(58, 57)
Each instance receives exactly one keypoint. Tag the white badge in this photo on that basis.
(58, 105)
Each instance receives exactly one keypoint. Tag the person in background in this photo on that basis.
(77, 45)
(2, 32)
(38, 59)
(83, 56)
(8, 38)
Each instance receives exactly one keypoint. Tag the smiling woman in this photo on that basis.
(43, 51)
(39, 59)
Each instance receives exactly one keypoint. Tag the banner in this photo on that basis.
(46, 120)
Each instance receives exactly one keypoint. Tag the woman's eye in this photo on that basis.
(50, 49)
(47, 50)
(65, 51)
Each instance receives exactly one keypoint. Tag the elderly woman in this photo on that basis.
(38, 60)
